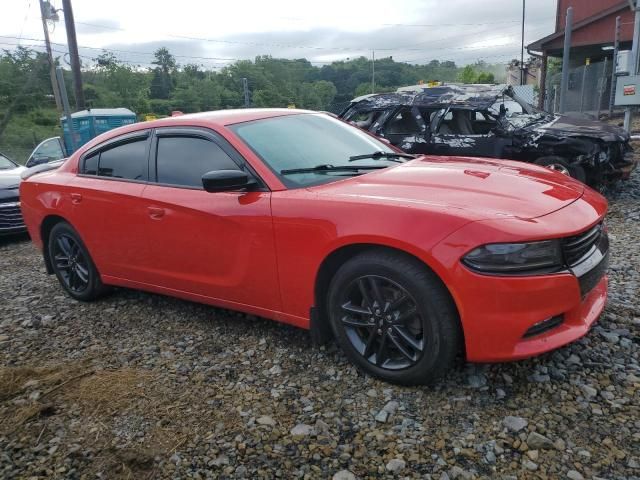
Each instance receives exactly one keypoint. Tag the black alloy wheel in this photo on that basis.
(393, 317)
(72, 264)
(382, 321)
(69, 260)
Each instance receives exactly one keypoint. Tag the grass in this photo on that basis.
(26, 130)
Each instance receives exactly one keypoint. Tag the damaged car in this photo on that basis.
(493, 121)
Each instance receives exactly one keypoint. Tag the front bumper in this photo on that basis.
(503, 310)
(11, 221)
(498, 313)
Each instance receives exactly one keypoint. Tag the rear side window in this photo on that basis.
(127, 161)
(184, 160)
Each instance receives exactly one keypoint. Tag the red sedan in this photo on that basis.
(298, 217)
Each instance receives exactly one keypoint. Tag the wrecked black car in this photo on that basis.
(492, 121)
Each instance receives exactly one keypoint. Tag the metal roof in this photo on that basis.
(101, 112)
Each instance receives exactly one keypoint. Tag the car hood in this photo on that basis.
(475, 188)
(10, 178)
(574, 126)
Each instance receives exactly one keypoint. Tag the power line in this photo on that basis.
(24, 22)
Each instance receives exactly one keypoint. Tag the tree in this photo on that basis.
(162, 83)
(486, 77)
(468, 75)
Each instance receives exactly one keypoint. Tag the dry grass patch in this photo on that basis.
(13, 380)
(110, 390)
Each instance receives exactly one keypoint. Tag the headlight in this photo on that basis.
(516, 258)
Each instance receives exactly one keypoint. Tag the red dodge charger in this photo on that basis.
(298, 217)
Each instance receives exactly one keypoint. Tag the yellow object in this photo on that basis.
(587, 61)
(148, 118)
(291, 105)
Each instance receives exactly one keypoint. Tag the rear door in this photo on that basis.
(219, 245)
(407, 130)
(467, 133)
(106, 203)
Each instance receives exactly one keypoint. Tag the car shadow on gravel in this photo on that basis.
(6, 240)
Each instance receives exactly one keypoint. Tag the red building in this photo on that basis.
(593, 32)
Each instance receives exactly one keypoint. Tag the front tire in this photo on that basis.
(393, 318)
(73, 265)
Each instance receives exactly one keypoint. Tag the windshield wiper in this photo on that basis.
(331, 168)
(393, 156)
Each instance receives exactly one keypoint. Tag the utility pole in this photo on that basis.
(245, 89)
(67, 109)
(45, 13)
(634, 59)
(522, 77)
(616, 47)
(564, 82)
(72, 43)
(373, 71)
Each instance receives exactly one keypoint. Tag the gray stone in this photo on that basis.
(302, 430)
(535, 441)
(266, 420)
(395, 465)
(515, 424)
(588, 391)
(574, 475)
(343, 475)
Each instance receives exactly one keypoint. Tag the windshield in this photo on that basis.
(5, 163)
(308, 140)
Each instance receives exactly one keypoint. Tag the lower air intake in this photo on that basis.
(544, 326)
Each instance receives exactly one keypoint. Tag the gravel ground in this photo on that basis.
(143, 386)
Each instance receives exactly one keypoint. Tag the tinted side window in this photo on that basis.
(183, 160)
(90, 166)
(127, 161)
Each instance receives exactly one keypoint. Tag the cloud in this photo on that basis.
(415, 31)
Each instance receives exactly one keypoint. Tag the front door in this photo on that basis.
(219, 245)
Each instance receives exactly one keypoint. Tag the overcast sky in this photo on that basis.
(215, 32)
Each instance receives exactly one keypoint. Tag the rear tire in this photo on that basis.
(73, 265)
(560, 164)
(393, 318)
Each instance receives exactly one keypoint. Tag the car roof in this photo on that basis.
(229, 117)
(215, 119)
(479, 96)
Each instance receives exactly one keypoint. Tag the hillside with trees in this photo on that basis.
(27, 108)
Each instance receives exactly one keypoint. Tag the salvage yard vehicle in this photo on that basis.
(492, 121)
(10, 217)
(408, 262)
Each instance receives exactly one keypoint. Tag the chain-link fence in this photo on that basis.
(588, 91)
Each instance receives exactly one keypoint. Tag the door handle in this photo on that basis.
(76, 198)
(156, 213)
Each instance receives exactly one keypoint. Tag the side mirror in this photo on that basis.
(226, 180)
